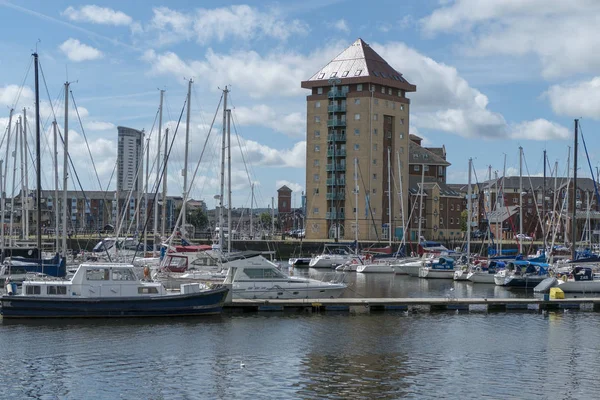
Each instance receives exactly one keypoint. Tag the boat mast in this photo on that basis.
(251, 210)
(565, 204)
(185, 156)
(3, 187)
(403, 241)
(146, 192)
(504, 205)
(422, 191)
(389, 188)
(544, 205)
(65, 172)
(229, 225)
(520, 199)
(26, 171)
(55, 203)
(23, 199)
(14, 176)
(574, 200)
(222, 192)
(469, 209)
(164, 186)
(160, 115)
(38, 156)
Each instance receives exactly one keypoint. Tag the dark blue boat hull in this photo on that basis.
(204, 303)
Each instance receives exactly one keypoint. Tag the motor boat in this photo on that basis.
(580, 280)
(441, 268)
(109, 290)
(333, 255)
(522, 274)
(483, 273)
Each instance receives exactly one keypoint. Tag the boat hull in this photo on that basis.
(481, 277)
(194, 304)
(431, 273)
(461, 275)
(580, 286)
(528, 282)
(276, 292)
(375, 269)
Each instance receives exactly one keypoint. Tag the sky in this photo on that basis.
(491, 76)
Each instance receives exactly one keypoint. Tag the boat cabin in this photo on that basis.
(95, 280)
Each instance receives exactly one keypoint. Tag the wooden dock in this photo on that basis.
(413, 305)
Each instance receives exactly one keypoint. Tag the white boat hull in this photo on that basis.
(412, 269)
(375, 269)
(481, 277)
(461, 275)
(579, 286)
(430, 273)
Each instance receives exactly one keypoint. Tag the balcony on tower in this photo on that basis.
(335, 215)
(336, 137)
(336, 122)
(337, 93)
(337, 108)
(336, 152)
(336, 167)
(336, 182)
(336, 196)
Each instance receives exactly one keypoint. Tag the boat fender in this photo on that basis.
(478, 269)
(564, 278)
(146, 272)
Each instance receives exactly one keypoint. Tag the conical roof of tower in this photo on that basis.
(360, 63)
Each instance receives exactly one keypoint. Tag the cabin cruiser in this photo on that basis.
(580, 280)
(109, 290)
(522, 274)
(333, 255)
(256, 278)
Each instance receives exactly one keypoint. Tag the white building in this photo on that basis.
(130, 158)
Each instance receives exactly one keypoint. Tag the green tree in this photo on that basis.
(198, 218)
(463, 220)
(265, 220)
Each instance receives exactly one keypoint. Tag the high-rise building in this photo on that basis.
(357, 120)
(130, 158)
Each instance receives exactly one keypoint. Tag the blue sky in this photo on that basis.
(490, 76)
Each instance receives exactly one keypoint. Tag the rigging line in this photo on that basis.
(369, 201)
(146, 149)
(588, 160)
(23, 83)
(161, 175)
(179, 217)
(86, 140)
(537, 210)
(488, 227)
(241, 151)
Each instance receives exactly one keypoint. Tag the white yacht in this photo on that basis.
(332, 256)
(376, 268)
(254, 278)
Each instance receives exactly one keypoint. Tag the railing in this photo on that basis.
(336, 108)
(336, 167)
(336, 137)
(336, 122)
(337, 182)
(337, 93)
(335, 215)
(336, 153)
(336, 196)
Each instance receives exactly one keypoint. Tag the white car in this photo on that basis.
(522, 236)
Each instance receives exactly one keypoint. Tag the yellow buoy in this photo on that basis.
(556, 293)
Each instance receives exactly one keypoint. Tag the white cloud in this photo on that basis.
(544, 28)
(581, 99)
(97, 15)
(445, 101)
(296, 187)
(237, 21)
(342, 25)
(11, 94)
(99, 126)
(280, 72)
(292, 124)
(77, 51)
(539, 129)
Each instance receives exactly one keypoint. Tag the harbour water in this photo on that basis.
(309, 356)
